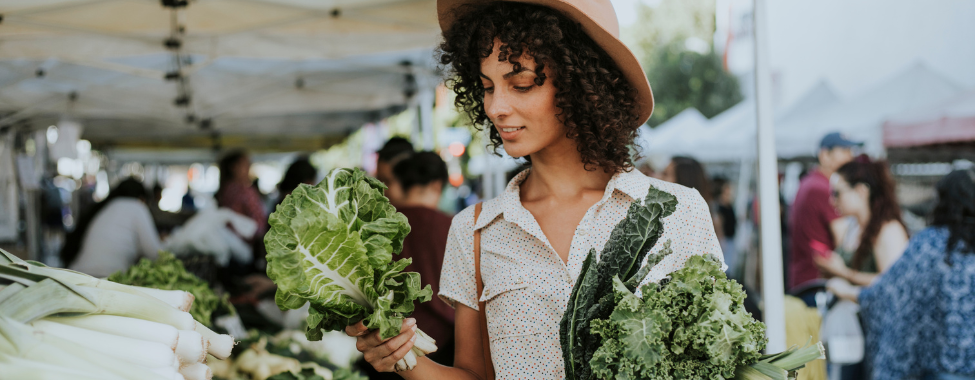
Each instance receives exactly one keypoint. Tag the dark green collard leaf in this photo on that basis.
(332, 245)
(592, 295)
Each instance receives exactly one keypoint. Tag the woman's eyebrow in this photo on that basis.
(513, 73)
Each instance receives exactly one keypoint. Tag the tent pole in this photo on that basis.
(773, 293)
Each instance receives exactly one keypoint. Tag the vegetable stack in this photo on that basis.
(167, 273)
(58, 324)
(332, 245)
(691, 325)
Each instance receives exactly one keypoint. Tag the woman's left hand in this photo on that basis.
(833, 266)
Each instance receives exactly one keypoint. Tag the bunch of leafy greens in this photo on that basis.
(167, 273)
(332, 245)
(593, 296)
(690, 327)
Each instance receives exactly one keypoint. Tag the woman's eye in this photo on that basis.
(489, 90)
(524, 89)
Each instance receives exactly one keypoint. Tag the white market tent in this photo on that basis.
(272, 74)
(731, 135)
(863, 117)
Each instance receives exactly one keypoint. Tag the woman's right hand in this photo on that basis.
(383, 354)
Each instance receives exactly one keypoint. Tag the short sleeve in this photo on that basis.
(690, 231)
(457, 275)
(707, 243)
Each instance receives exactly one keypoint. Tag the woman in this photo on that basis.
(553, 84)
(918, 316)
(237, 193)
(114, 234)
(875, 236)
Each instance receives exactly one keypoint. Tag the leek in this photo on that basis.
(123, 326)
(50, 296)
(144, 353)
(16, 368)
(191, 347)
(20, 340)
(175, 298)
(220, 345)
(198, 371)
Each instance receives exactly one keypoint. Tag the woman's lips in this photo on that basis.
(510, 133)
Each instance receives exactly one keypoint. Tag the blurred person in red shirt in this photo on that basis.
(395, 150)
(812, 214)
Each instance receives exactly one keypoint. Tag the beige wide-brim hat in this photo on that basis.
(598, 20)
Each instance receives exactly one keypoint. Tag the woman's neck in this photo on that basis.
(558, 171)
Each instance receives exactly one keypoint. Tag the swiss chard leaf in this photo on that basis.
(332, 245)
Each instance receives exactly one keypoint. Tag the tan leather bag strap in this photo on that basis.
(481, 309)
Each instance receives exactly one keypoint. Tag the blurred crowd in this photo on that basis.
(846, 250)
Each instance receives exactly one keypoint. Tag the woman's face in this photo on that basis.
(849, 201)
(242, 170)
(522, 112)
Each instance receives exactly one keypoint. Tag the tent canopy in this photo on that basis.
(951, 121)
(284, 74)
(731, 135)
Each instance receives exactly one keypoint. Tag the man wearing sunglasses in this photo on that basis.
(812, 212)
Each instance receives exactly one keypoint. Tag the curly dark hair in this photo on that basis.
(956, 210)
(596, 102)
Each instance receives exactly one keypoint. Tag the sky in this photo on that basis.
(854, 45)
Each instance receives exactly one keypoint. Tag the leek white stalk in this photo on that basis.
(23, 341)
(144, 353)
(198, 371)
(406, 363)
(122, 326)
(16, 368)
(191, 347)
(168, 373)
(220, 344)
(176, 298)
(50, 296)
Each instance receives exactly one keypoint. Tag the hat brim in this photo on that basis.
(625, 60)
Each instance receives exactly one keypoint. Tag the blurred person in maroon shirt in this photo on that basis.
(812, 213)
(423, 177)
(393, 152)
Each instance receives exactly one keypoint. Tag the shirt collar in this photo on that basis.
(632, 183)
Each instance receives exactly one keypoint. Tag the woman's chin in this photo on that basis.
(516, 150)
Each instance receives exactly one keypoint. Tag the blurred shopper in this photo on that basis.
(423, 177)
(690, 173)
(236, 191)
(874, 236)
(812, 214)
(395, 150)
(725, 220)
(919, 315)
(114, 233)
(301, 171)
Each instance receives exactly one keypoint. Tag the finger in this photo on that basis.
(358, 329)
(391, 345)
(400, 353)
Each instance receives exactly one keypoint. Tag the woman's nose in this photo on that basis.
(497, 105)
